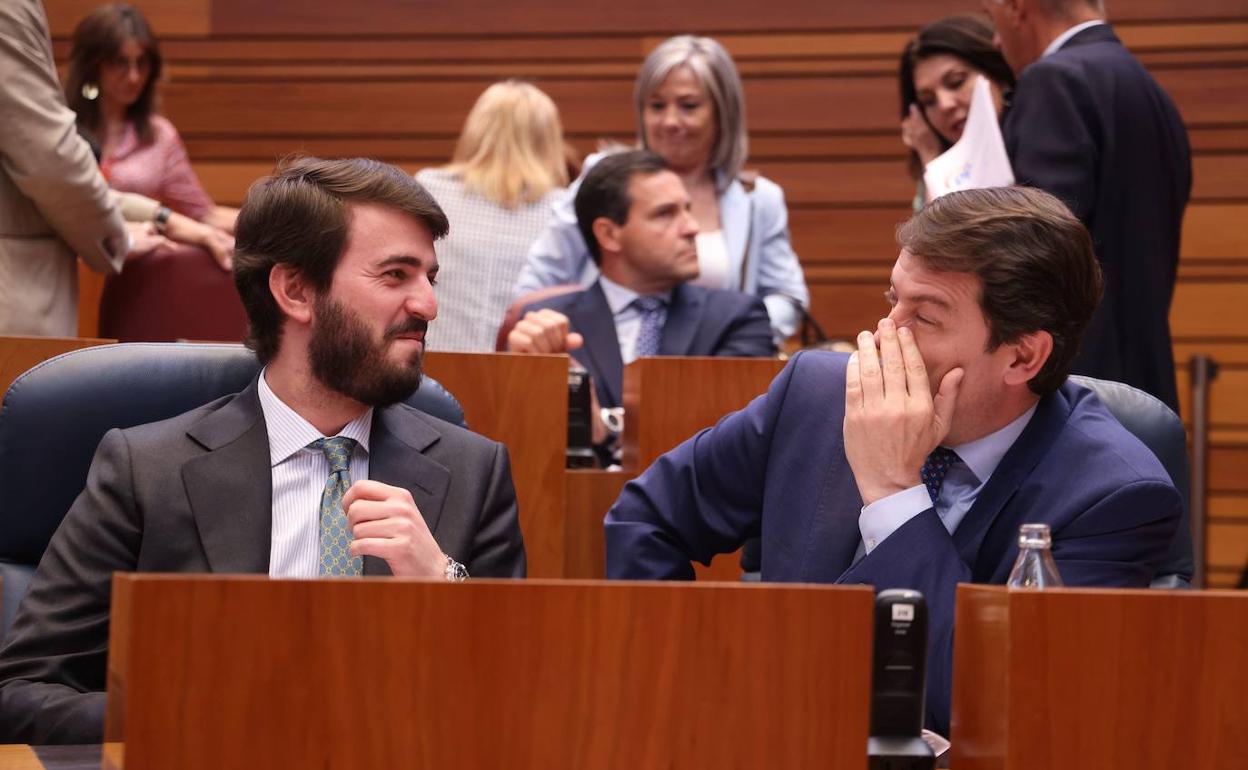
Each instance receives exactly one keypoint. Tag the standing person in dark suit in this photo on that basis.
(315, 469)
(1090, 125)
(634, 212)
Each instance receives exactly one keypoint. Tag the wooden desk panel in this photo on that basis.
(1082, 678)
(522, 402)
(589, 495)
(19, 757)
(248, 672)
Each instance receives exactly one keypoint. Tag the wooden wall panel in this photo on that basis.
(250, 82)
(485, 17)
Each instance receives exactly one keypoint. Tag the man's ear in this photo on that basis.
(1030, 353)
(608, 235)
(291, 292)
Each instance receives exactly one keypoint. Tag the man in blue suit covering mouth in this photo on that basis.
(912, 462)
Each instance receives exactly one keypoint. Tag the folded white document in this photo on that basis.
(978, 159)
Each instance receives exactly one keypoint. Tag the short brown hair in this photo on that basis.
(1034, 261)
(299, 216)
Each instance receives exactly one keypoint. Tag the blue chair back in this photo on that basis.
(54, 416)
(1161, 430)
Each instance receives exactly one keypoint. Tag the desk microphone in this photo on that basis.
(898, 683)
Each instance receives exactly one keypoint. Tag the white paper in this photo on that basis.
(979, 158)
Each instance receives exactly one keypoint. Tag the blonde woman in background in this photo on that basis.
(498, 193)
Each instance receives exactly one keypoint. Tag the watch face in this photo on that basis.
(455, 571)
(613, 418)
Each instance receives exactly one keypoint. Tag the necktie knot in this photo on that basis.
(337, 451)
(935, 468)
(649, 304)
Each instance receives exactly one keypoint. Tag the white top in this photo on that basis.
(1061, 39)
(479, 260)
(963, 483)
(299, 476)
(713, 262)
(627, 316)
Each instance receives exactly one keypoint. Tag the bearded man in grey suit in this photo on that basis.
(335, 264)
(53, 202)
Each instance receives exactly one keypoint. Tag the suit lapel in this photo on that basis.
(397, 458)
(683, 316)
(591, 316)
(1048, 421)
(232, 503)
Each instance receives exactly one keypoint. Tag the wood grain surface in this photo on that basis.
(1082, 678)
(248, 672)
(520, 401)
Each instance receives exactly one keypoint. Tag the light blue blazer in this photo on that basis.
(756, 229)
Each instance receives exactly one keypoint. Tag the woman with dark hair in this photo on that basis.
(938, 71)
(114, 67)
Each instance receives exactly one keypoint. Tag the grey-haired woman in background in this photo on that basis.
(691, 111)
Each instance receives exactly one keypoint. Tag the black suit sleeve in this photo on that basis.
(748, 335)
(53, 667)
(498, 547)
(1053, 135)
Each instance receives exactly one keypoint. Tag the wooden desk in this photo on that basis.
(1097, 678)
(486, 674)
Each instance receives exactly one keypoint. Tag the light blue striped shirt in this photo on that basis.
(963, 483)
(299, 476)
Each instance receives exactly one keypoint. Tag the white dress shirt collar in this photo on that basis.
(620, 297)
(1061, 39)
(983, 455)
(289, 431)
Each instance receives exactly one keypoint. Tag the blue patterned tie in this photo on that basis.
(651, 331)
(935, 468)
(336, 556)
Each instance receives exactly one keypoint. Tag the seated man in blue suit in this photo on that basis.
(913, 462)
(635, 215)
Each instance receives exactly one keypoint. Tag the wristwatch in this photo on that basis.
(455, 572)
(613, 418)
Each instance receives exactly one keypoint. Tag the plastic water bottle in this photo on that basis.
(1034, 568)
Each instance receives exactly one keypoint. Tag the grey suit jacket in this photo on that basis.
(193, 494)
(53, 202)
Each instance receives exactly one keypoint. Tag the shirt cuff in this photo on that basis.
(885, 516)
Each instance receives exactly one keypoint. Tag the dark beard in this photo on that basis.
(345, 358)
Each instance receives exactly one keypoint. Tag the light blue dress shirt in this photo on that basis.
(976, 462)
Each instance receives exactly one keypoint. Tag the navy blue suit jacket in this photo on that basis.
(778, 469)
(700, 322)
(1091, 126)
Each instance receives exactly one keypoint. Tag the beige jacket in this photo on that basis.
(53, 202)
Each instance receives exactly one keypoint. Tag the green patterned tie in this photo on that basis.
(336, 556)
